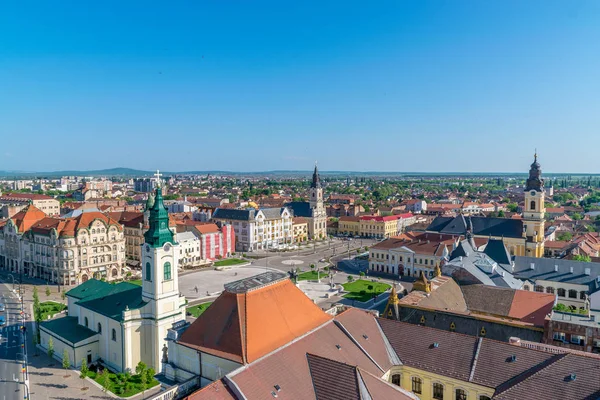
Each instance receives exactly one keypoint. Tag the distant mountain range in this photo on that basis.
(130, 172)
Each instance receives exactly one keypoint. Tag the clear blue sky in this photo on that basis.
(261, 85)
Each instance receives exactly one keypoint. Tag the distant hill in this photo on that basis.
(100, 172)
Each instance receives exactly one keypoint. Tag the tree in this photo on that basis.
(83, 371)
(66, 362)
(140, 368)
(512, 207)
(144, 381)
(312, 266)
(361, 274)
(577, 216)
(105, 380)
(565, 236)
(561, 307)
(582, 257)
(50, 348)
(47, 291)
(63, 295)
(350, 278)
(501, 214)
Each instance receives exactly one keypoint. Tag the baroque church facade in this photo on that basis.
(313, 210)
(522, 237)
(124, 324)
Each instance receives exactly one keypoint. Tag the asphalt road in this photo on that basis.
(10, 348)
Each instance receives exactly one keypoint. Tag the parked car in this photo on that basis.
(2, 307)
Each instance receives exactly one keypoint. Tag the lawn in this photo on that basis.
(359, 289)
(199, 309)
(312, 275)
(133, 386)
(229, 261)
(136, 282)
(49, 308)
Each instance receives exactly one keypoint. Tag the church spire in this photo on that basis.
(316, 179)
(158, 232)
(535, 181)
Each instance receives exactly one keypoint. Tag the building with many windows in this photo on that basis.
(264, 228)
(133, 229)
(124, 324)
(67, 251)
(313, 210)
(263, 338)
(12, 203)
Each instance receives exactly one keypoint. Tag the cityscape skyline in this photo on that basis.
(395, 87)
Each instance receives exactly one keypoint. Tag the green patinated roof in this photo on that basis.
(68, 328)
(92, 287)
(158, 232)
(106, 299)
(112, 304)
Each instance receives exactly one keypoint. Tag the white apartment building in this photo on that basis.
(189, 250)
(254, 229)
(67, 251)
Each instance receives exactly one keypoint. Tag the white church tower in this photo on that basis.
(318, 227)
(160, 288)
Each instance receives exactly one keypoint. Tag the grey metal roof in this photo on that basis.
(183, 236)
(300, 209)
(557, 270)
(273, 212)
(253, 282)
(577, 319)
(497, 251)
(227, 213)
(481, 266)
(482, 226)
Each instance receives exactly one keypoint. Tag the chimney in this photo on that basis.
(555, 267)
(588, 271)
(571, 269)
(532, 266)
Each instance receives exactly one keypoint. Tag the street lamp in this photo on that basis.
(13, 280)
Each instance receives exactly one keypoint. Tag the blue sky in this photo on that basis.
(262, 85)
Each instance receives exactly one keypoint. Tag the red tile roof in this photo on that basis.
(243, 327)
(26, 218)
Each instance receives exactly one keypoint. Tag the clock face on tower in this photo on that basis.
(167, 247)
(533, 193)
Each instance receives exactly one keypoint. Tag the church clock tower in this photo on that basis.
(534, 212)
(160, 288)
(319, 214)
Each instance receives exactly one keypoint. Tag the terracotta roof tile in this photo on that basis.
(245, 326)
(215, 391)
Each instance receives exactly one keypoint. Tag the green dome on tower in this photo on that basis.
(158, 232)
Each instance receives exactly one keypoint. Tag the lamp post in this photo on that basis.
(13, 280)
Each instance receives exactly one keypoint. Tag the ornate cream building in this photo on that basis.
(313, 210)
(124, 324)
(67, 251)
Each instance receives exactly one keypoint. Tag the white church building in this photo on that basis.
(124, 324)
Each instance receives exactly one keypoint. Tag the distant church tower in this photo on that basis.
(319, 215)
(533, 214)
(160, 288)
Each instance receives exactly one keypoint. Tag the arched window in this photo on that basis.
(396, 379)
(461, 394)
(532, 205)
(484, 397)
(113, 335)
(582, 294)
(561, 292)
(526, 287)
(167, 270)
(99, 328)
(438, 391)
(572, 294)
(148, 272)
(550, 289)
(539, 288)
(85, 322)
(417, 384)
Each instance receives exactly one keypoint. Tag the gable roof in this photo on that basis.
(544, 269)
(68, 328)
(249, 320)
(497, 251)
(300, 209)
(26, 218)
(482, 226)
(235, 214)
(123, 296)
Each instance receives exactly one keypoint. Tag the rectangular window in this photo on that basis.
(438, 391)
(559, 336)
(576, 339)
(416, 385)
(461, 394)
